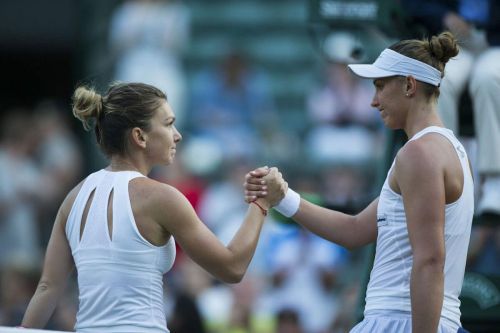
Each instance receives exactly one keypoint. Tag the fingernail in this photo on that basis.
(264, 187)
(264, 193)
(262, 182)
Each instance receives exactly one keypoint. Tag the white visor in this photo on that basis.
(392, 63)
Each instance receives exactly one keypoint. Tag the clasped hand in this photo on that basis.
(265, 183)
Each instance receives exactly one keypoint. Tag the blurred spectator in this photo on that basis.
(476, 23)
(346, 187)
(346, 317)
(345, 134)
(149, 38)
(214, 208)
(58, 152)
(484, 250)
(186, 316)
(340, 114)
(18, 281)
(305, 270)
(343, 100)
(21, 188)
(288, 322)
(59, 159)
(231, 104)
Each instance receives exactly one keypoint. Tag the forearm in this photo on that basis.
(343, 229)
(244, 242)
(41, 306)
(427, 288)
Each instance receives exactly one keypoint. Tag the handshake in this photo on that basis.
(267, 186)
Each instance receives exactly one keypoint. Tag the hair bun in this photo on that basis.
(443, 47)
(87, 104)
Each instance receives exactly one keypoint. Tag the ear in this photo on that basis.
(139, 137)
(410, 86)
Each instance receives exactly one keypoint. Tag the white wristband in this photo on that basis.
(289, 205)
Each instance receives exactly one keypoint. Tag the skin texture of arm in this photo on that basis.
(57, 267)
(419, 174)
(230, 263)
(346, 230)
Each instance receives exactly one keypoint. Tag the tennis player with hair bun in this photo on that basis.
(422, 219)
(117, 227)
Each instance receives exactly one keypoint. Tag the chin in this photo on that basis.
(391, 125)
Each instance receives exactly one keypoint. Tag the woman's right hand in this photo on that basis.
(265, 184)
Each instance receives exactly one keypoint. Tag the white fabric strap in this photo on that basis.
(289, 205)
(391, 63)
(402, 65)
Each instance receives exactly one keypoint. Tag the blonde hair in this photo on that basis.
(87, 105)
(434, 51)
(123, 107)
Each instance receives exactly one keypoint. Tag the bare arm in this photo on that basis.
(230, 263)
(421, 182)
(346, 230)
(57, 267)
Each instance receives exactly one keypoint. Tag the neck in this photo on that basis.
(121, 163)
(420, 116)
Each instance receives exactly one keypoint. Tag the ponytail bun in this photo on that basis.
(443, 47)
(87, 104)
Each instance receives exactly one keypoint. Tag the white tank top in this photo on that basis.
(120, 278)
(389, 286)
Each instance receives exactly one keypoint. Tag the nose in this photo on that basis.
(177, 136)
(374, 102)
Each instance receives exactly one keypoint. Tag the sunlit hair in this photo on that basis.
(123, 107)
(435, 52)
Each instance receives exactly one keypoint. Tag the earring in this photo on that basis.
(407, 95)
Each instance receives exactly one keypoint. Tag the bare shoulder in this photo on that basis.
(68, 202)
(422, 155)
(155, 192)
(159, 199)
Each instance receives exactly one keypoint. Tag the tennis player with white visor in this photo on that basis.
(422, 219)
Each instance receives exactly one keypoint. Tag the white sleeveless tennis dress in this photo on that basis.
(388, 304)
(120, 278)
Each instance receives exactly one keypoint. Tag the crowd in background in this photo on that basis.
(297, 282)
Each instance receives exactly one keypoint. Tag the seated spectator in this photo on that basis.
(340, 114)
(304, 271)
(476, 23)
(148, 38)
(231, 104)
(21, 188)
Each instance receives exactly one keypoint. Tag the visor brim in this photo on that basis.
(369, 71)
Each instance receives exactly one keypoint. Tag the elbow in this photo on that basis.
(351, 245)
(434, 262)
(43, 286)
(47, 287)
(234, 279)
(233, 276)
